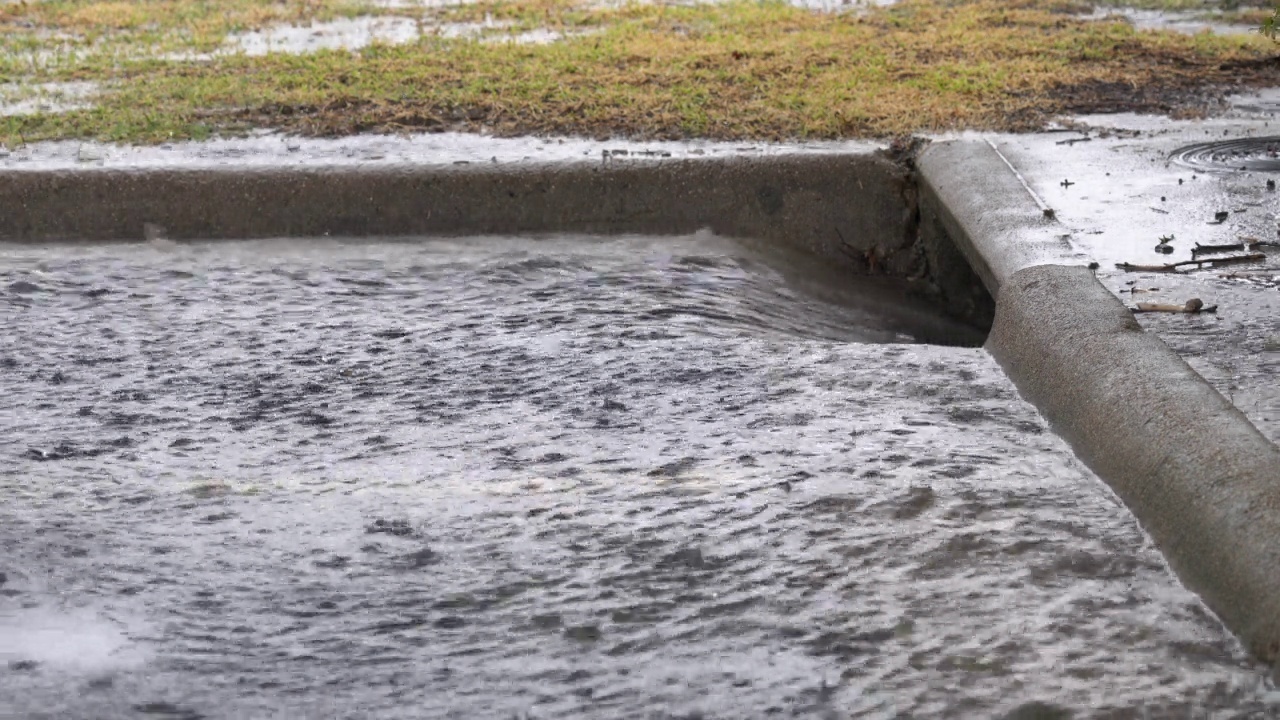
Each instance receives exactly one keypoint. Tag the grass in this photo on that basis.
(740, 70)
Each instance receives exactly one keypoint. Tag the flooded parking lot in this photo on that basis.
(550, 478)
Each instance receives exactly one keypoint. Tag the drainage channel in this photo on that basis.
(558, 476)
(1256, 154)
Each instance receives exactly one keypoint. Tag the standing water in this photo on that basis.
(549, 478)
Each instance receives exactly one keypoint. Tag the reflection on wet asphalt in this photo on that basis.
(548, 479)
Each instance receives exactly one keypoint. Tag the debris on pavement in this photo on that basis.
(1246, 243)
(1202, 249)
(1193, 306)
(1174, 267)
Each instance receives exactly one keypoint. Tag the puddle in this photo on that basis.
(1264, 102)
(827, 6)
(421, 3)
(355, 33)
(53, 97)
(1189, 23)
(344, 33)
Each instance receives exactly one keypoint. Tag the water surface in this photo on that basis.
(548, 478)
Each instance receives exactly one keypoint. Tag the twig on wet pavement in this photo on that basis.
(1173, 267)
(1246, 243)
(1192, 307)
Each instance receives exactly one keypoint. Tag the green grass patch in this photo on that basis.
(740, 70)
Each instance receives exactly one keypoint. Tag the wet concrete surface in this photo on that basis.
(1117, 191)
(1237, 348)
(554, 478)
(271, 149)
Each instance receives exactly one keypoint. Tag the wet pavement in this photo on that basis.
(1120, 184)
(552, 478)
(270, 149)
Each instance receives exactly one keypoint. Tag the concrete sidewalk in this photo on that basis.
(1118, 192)
(1067, 230)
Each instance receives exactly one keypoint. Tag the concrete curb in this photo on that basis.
(1202, 480)
(782, 198)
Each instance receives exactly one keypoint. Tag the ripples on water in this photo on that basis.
(554, 479)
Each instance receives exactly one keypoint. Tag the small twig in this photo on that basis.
(1194, 306)
(1173, 267)
(1246, 243)
(1200, 249)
